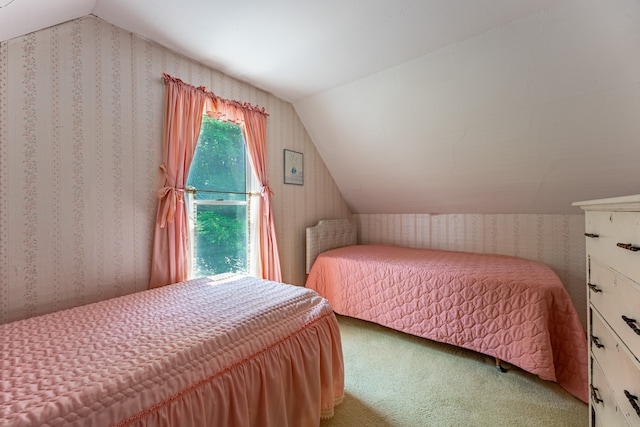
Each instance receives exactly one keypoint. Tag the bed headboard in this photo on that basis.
(329, 234)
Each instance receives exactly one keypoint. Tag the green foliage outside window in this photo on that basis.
(219, 166)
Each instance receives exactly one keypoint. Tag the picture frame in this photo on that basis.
(293, 167)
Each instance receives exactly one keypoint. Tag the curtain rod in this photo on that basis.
(193, 190)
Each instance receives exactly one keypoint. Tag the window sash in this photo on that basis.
(251, 200)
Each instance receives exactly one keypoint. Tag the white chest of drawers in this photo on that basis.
(612, 230)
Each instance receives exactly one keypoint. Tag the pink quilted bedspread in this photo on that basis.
(221, 351)
(511, 308)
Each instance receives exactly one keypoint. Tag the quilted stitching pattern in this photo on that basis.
(507, 307)
(62, 367)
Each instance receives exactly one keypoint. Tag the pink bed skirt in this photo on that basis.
(209, 352)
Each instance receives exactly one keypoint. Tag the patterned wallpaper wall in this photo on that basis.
(81, 109)
(556, 240)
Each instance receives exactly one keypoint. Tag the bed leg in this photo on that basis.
(499, 367)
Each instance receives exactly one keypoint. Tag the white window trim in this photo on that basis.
(253, 200)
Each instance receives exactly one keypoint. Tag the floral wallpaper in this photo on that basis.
(81, 108)
(81, 112)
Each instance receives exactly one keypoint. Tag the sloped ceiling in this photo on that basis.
(418, 106)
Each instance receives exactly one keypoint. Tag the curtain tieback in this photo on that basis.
(266, 189)
(171, 196)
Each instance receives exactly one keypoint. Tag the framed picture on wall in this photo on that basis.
(293, 167)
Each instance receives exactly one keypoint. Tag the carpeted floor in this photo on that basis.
(394, 379)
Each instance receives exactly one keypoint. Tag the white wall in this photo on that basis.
(527, 117)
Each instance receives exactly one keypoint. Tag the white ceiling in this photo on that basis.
(504, 106)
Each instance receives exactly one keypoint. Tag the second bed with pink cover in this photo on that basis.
(514, 309)
(221, 351)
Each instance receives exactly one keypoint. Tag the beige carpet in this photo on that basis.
(394, 379)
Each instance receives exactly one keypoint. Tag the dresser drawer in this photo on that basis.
(603, 344)
(604, 405)
(612, 229)
(608, 231)
(617, 299)
(623, 373)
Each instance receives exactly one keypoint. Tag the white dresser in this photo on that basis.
(612, 230)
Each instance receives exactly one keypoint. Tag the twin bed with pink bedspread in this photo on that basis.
(510, 308)
(226, 351)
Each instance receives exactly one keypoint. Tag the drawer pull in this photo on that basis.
(632, 324)
(596, 341)
(591, 235)
(594, 288)
(628, 246)
(634, 401)
(594, 394)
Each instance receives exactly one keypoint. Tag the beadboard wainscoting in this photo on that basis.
(556, 240)
(81, 119)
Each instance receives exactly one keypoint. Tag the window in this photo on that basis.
(219, 201)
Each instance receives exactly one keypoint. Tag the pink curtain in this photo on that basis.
(255, 135)
(183, 119)
(253, 122)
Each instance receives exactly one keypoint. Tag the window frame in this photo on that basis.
(251, 200)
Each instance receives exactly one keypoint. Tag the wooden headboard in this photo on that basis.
(329, 234)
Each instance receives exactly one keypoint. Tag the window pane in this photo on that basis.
(218, 213)
(221, 240)
(219, 161)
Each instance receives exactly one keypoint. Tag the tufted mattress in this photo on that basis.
(511, 308)
(226, 351)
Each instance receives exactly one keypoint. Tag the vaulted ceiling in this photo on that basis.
(423, 106)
